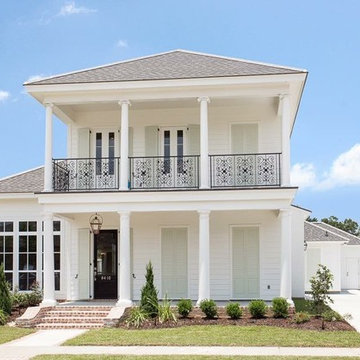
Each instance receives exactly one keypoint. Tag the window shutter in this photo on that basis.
(193, 139)
(84, 143)
(244, 138)
(151, 140)
(130, 141)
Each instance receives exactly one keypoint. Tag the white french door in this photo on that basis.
(351, 276)
(105, 145)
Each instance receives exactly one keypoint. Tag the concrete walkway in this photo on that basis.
(24, 353)
(348, 302)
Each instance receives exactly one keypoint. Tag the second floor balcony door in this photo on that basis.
(105, 151)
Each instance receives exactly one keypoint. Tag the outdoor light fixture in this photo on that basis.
(305, 245)
(96, 222)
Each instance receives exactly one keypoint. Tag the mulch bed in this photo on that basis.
(15, 313)
(196, 317)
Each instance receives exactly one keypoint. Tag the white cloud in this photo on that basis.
(4, 95)
(35, 78)
(122, 44)
(303, 175)
(71, 9)
(345, 170)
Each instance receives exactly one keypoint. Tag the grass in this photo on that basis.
(180, 357)
(219, 335)
(8, 333)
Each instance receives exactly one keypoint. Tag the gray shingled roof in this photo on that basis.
(320, 231)
(177, 64)
(27, 182)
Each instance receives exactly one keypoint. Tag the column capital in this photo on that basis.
(283, 96)
(203, 98)
(204, 212)
(284, 212)
(124, 102)
(124, 213)
(48, 104)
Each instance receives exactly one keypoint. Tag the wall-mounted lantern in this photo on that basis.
(96, 222)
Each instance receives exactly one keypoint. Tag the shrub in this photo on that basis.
(165, 313)
(34, 297)
(257, 308)
(3, 317)
(149, 294)
(209, 308)
(234, 311)
(301, 317)
(5, 294)
(280, 307)
(331, 315)
(184, 307)
(137, 317)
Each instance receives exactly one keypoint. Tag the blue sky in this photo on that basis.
(40, 38)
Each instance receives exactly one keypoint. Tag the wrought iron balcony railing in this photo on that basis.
(160, 172)
(84, 174)
(244, 170)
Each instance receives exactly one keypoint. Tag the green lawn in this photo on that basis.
(8, 333)
(179, 357)
(219, 335)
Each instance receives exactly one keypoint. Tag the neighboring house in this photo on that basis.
(186, 158)
(335, 248)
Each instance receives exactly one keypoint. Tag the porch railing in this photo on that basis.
(86, 174)
(244, 170)
(160, 172)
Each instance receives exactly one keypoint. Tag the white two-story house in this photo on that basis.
(183, 160)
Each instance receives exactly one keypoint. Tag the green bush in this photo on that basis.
(234, 311)
(301, 317)
(149, 294)
(165, 312)
(137, 317)
(209, 308)
(5, 293)
(257, 308)
(184, 307)
(331, 315)
(280, 307)
(35, 296)
(3, 317)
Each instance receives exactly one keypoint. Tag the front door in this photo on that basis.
(105, 265)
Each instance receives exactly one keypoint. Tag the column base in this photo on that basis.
(200, 300)
(124, 303)
(48, 303)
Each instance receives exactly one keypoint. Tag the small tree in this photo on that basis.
(321, 283)
(149, 294)
(5, 295)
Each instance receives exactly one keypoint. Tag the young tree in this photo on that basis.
(310, 219)
(347, 225)
(149, 294)
(321, 283)
(5, 295)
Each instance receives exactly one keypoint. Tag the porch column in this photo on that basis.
(49, 281)
(124, 282)
(285, 140)
(48, 177)
(204, 143)
(285, 274)
(204, 256)
(124, 145)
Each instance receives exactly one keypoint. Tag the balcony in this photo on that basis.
(162, 173)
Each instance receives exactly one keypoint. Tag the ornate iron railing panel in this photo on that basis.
(84, 174)
(244, 170)
(159, 172)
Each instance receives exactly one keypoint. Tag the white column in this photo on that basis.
(285, 140)
(49, 281)
(204, 143)
(204, 256)
(48, 177)
(124, 145)
(124, 282)
(285, 274)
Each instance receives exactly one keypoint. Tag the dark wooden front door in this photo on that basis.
(105, 265)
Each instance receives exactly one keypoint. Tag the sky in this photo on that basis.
(42, 38)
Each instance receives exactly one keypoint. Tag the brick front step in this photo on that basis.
(72, 320)
(47, 326)
(77, 313)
